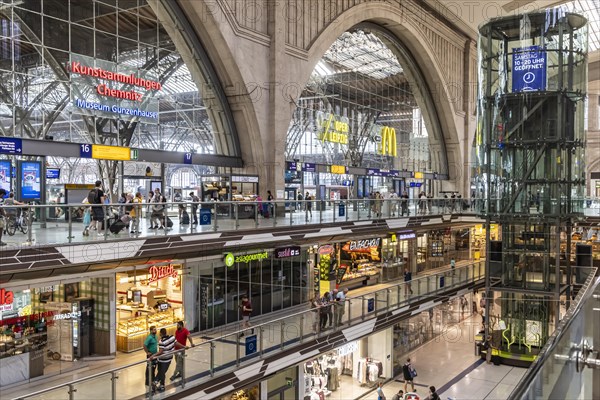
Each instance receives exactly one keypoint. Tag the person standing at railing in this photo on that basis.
(182, 335)
(404, 204)
(340, 304)
(268, 210)
(2, 215)
(315, 306)
(308, 199)
(157, 211)
(87, 218)
(407, 282)
(327, 303)
(151, 348)
(136, 213)
(377, 204)
(166, 345)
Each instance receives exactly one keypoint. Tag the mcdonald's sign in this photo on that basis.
(388, 141)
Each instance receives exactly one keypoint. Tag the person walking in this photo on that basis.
(96, 198)
(407, 282)
(166, 345)
(409, 374)
(87, 218)
(299, 204)
(340, 299)
(182, 336)
(195, 201)
(380, 394)
(452, 265)
(246, 308)
(433, 393)
(151, 348)
(308, 199)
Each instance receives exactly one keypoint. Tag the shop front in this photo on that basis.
(349, 371)
(148, 295)
(361, 262)
(53, 327)
(395, 250)
(274, 279)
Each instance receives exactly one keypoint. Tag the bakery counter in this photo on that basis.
(21, 359)
(132, 332)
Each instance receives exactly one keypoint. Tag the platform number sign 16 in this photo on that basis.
(85, 151)
(187, 158)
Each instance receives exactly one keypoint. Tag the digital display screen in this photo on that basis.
(30, 180)
(53, 173)
(5, 176)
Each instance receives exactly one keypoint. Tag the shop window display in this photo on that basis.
(147, 297)
(361, 260)
(243, 394)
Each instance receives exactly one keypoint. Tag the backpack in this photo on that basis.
(92, 197)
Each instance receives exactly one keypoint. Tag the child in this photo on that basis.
(87, 219)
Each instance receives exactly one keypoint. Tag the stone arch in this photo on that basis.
(391, 19)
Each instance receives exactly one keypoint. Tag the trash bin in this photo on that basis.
(342, 210)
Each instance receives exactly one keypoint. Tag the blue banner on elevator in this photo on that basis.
(529, 69)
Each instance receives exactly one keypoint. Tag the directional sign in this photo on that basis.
(11, 145)
(111, 152)
(85, 151)
(187, 158)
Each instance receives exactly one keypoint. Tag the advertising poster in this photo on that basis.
(30, 180)
(529, 69)
(5, 177)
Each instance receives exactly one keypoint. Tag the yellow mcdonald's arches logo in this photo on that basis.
(388, 141)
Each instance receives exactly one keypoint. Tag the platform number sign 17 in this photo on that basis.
(85, 151)
(187, 158)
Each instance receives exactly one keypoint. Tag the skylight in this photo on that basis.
(589, 9)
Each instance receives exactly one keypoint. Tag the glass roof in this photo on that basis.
(363, 53)
(590, 9)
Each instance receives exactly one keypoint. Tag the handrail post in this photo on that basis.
(387, 299)
(334, 208)
(321, 206)
(282, 338)
(113, 384)
(261, 330)
(183, 356)
(29, 230)
(105, 221)
(292, 204)
(256, 215)
(72, 391)
(237, 350)
(301, 327)
(349, 308)
(70, 236)
(274, 204)
(212, 359)
(363, 308)
(237, 219)
(215, 226)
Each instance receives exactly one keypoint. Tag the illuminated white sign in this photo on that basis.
(348, 348)
(74, 314)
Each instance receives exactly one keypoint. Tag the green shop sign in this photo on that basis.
(230, 259)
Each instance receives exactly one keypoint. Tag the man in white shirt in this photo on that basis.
(340, 304)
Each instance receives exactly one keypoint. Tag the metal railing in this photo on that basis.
(67, 220)
(564, 368)
(227, 352)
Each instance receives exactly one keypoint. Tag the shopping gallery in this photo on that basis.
(449, 139)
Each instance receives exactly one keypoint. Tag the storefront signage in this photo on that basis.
(406, 236)
(339, 274)
(348, 348)
(6, 300)
(290, 251)
(325, 249)
(71, 315)
(332, 128)
(158, 273)
(355, 245)
(245, 179)
(388, 141)
(246, 258)
(529, 69)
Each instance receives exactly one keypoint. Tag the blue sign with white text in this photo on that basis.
(11, 145)
(31, 186)
(250, 345)
(205, 216)
(85, 150)
(529, 69)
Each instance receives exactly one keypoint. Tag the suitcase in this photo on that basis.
(185, 218)
(117, 227)
(170, 222)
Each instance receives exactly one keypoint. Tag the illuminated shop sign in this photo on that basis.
(388, 142)
(6, 300)
(406, 236)
(332, 128)
(69, 315)
(230, 259)
(290, 251)
(158, 273)
(325, 249)
(348, 348)
(117, 88)
(355, 245)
